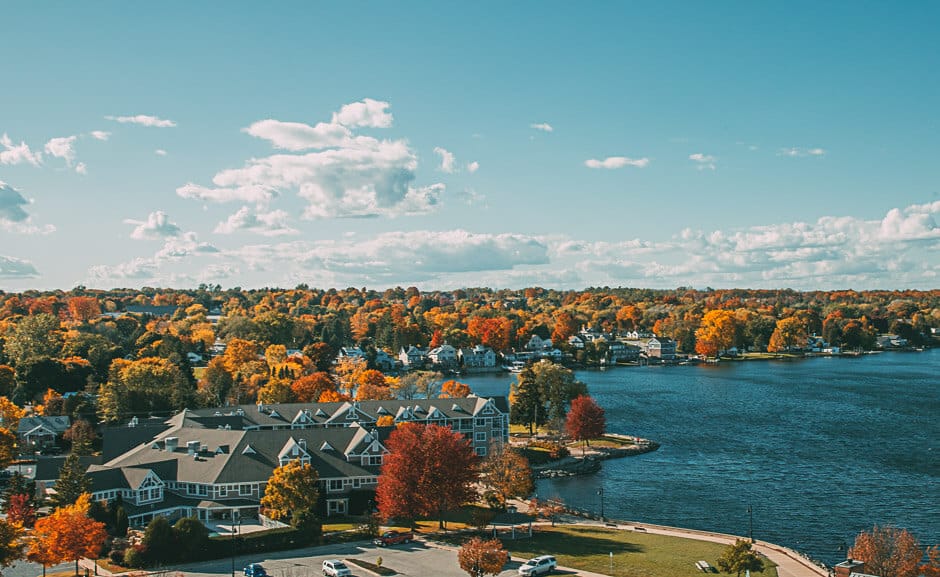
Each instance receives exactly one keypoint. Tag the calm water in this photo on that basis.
(820, 448)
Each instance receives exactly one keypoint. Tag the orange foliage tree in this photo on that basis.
(307, 389)
(506, 472)
(932, 567)
(716, 333)
(888, 551)
(454, 390)
(83, 309)
(429, 470)
(478, 557)
(490, 332)
(69, 534)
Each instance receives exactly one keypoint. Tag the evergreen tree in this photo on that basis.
(19, 485)
(72, 482)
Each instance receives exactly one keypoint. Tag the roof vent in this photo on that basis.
(171, 443)
(192, 447)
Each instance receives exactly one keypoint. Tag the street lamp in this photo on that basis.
(601, 493)
(750, 523)
(236, 527)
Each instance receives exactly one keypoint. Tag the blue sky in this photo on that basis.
(446, 144)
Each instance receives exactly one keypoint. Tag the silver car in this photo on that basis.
(335, 568)
(542, 565)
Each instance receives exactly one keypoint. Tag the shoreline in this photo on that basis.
(590, 461)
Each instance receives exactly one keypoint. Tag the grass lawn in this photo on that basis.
(635, 554)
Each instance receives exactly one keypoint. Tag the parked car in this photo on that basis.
(255, 570)
(542, 565)
(393, 538)
(335, 568)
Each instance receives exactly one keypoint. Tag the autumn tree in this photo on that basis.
(35, 336)
(347, 373)
(276, 390)
(716, 333)
(790, 332)
(385, 421)
(308, 388)
(147, 385)
(84, 309)
(454, 390)
(542, 394)
(7, 447)
(12, 545)
(932, 567)
(216, 383)
(739, 557)
(479, 557)
(506, 472)
(81, 435)
(429, 470)
(291, 493)
(491, 332)
(72, 482)
(20, 510)
(586, 420)
(888, 551)
(69, 534)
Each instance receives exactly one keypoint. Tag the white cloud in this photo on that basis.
(160, 152)
(274, 223)
(80, 168)
(17, 153)
(797, 152)
(473, 167)
(13, 218)
(297, 136)
(703, 161)
(255, 193)
(61, 147)
(470, 197)
(182, 246)
(347, 175)
(612, 162)
(143, 120)
(447, 159)
(12, 267)
(137, 269)
(367, 113)
(11, 204)
(100, 134)
(157, 226)
(543, 126)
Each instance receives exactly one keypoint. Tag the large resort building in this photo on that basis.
(213, 464)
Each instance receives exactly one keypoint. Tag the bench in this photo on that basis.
(703, 566)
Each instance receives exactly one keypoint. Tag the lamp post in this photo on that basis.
(236, 526)
(601, 493)
(750, 522)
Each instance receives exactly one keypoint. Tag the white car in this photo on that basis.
(335, 568)
(542, 565)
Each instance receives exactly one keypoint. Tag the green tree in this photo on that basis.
(738, 558)
(12, 546)
(160, 542)
(192, 538)
(291, 492)
(82, 436)
(35, 337)
(71, 483)
(542, 394)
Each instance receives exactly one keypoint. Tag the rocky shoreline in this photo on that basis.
(591, 462)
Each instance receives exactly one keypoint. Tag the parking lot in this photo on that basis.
(416, 559)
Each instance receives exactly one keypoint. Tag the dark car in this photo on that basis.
(255, 570)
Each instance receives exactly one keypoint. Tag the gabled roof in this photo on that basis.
(56, 425)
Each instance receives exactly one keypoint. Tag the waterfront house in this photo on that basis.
(213, 464)
(444, 356)
(662, 348)
(479, 357)
(38, 433)
(413, 357)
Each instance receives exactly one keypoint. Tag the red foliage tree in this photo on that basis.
(20, 510)
(888, 551)
(429, 470)
(585, 420)
(83, 309)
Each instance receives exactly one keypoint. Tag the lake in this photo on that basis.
(820, 448)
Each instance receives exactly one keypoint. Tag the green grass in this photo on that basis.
(635, 554)
(333, 527)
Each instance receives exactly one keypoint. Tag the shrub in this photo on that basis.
(135, 556)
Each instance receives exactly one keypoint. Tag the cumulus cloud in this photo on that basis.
(174, 252)
(160, 152)
(473, 167)
(703, 161)
(17, 153)
(12, 268)
(184, 245)
(11, 204)
(542, 126)
(13, 216)
(797, 152)
(138, 269)
(61, 147)
(143, 120)
(612, 162)
(100, 134)
(366, 113)
(345, 175)
(447, 159)
(274, 223)
(81, 168)
(157, 226)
